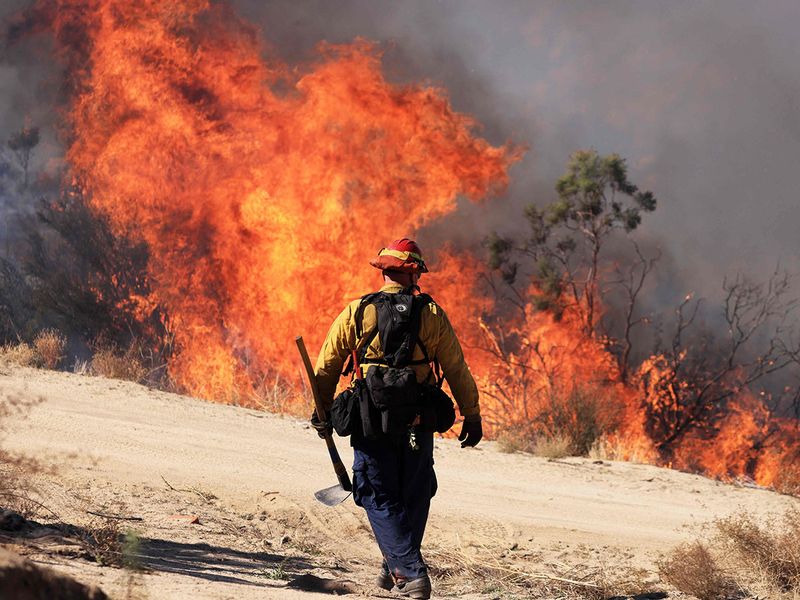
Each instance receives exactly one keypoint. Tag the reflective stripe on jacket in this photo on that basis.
(436, 333)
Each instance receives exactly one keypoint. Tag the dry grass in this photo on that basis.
(744, 557)
(110, 546)
(612, 447)
(691, 569)
(788, 481)
(274, 395)
(46, 351)
(768, 551)
(20, 354)
(460, 571)
(514, 439)
(103, 537)
(49, 346)
(564, 421)
(103, 540)
(109, 362)
(558, 446)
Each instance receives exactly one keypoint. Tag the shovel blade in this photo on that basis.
(332, 496)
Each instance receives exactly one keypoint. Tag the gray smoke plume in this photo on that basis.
(703, 99)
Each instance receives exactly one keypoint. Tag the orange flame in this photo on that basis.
(261, 191)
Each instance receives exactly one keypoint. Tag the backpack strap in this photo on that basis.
(420, 301)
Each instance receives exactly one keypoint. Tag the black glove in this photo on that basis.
(471, 432)
(323, 427)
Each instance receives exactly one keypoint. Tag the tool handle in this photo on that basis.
(301, 346)
(338, 465)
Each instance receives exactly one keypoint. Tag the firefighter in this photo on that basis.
(393, 476)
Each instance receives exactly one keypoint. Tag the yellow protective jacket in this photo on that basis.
(436, 334)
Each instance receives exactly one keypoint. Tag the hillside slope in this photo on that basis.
(250, 477)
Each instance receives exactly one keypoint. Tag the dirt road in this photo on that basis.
(250, 476)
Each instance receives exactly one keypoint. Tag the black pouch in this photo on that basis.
(438, 413)
(394, 392)
(345, 412)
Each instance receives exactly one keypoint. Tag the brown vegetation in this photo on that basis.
(49, 345)
(104, 540)
(109, 361)
(20, 354)
(691, 569)
(558, 446)
(788, 481)
(47, 350)
(514, 439)
(768, 551)
(457, 571)
(560, 422)
(742, 557)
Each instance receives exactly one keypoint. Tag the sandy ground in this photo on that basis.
(124, 449)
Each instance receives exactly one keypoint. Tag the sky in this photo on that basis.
(701, 97)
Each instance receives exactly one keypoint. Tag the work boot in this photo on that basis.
(419, 588)
(384, 579)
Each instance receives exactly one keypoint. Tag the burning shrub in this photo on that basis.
(49, 346)
(691, 569)
(109, 362)
(692, 403)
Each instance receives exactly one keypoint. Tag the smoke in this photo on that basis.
(702, 99)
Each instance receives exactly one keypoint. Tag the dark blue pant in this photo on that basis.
(395, 484)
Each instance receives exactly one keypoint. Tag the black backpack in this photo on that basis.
(388, 399)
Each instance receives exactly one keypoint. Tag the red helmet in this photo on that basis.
(400, 255)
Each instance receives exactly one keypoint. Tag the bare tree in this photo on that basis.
(630, 279)
(688, 384)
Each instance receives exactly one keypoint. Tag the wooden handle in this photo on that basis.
(301, 346)
(338, 466)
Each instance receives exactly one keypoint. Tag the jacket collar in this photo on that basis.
(392, 288)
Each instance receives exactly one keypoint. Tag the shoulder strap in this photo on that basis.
(420, 301)
(359, 316)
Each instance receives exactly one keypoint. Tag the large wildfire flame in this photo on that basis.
(261, 190)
